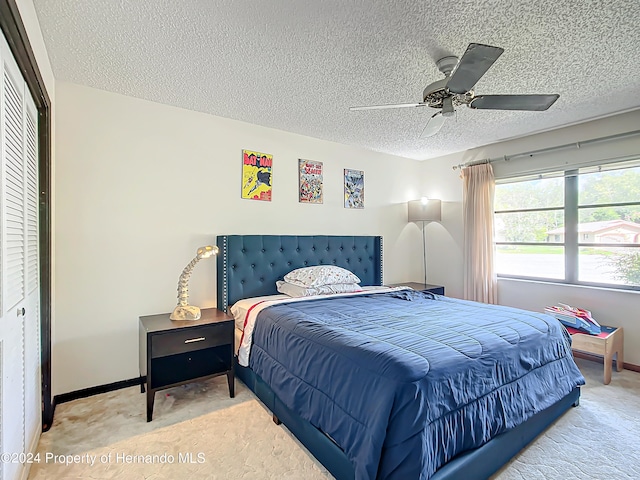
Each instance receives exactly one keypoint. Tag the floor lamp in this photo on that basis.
(425, 210)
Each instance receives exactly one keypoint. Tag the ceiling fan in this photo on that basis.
(456, 89)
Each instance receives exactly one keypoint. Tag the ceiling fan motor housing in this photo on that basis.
(436, 92)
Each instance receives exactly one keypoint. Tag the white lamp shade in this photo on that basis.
(429, 211)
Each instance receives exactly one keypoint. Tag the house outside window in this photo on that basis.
(578, 226)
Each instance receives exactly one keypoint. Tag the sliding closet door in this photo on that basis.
(20, 400)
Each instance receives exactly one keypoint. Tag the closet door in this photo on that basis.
(20, 401)
(31, 319)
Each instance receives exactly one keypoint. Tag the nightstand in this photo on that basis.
(423, 287)
(173, 353)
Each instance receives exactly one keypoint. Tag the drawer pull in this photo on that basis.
(192, 340)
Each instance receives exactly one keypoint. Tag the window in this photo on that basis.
(578, 226)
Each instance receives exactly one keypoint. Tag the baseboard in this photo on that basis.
(600, 359)
(88, 392)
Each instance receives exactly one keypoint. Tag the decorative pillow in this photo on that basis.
(297, 291)
(320, 275)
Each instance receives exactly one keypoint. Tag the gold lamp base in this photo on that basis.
(186, 312)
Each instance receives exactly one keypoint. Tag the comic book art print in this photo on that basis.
(256, 175)
(353, 188)
(310, 181)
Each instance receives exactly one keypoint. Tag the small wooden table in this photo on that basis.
(608, 343)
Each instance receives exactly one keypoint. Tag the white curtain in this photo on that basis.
(480, 282)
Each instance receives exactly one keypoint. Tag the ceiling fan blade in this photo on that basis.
(514, 102)
(472, 66)
(380, 107)
(434, 125)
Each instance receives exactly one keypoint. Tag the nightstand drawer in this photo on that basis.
(190, 339)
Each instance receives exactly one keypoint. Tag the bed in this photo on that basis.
(376, 415)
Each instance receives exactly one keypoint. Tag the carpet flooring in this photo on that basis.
(199, 432)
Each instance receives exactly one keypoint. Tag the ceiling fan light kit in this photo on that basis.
(456, 88)
(447, 107)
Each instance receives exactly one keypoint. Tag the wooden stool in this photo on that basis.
(608, 343)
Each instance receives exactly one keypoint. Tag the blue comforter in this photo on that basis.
(404, 381)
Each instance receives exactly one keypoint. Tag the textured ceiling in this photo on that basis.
(298, 65)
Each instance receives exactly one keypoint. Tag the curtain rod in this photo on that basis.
(506, 158)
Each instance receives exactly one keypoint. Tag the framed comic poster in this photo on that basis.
(256, 175)
(310, 181)
(353, 188)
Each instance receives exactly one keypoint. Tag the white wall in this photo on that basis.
(141, 185)
(609, 306)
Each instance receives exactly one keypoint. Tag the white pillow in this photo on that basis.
(320, 275)
(297, 291)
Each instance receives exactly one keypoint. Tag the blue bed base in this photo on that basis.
(249, 265)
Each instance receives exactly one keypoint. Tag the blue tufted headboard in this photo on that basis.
(249, 265)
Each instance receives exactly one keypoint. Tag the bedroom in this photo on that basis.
(139, 185)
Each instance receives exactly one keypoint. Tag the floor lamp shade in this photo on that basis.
(425, 211)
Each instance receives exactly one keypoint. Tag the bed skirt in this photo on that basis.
(477, 464)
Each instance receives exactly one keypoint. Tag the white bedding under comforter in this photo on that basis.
(245, 312)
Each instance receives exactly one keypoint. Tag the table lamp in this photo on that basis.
(183, 310)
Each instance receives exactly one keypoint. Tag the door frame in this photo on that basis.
(16, 36)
